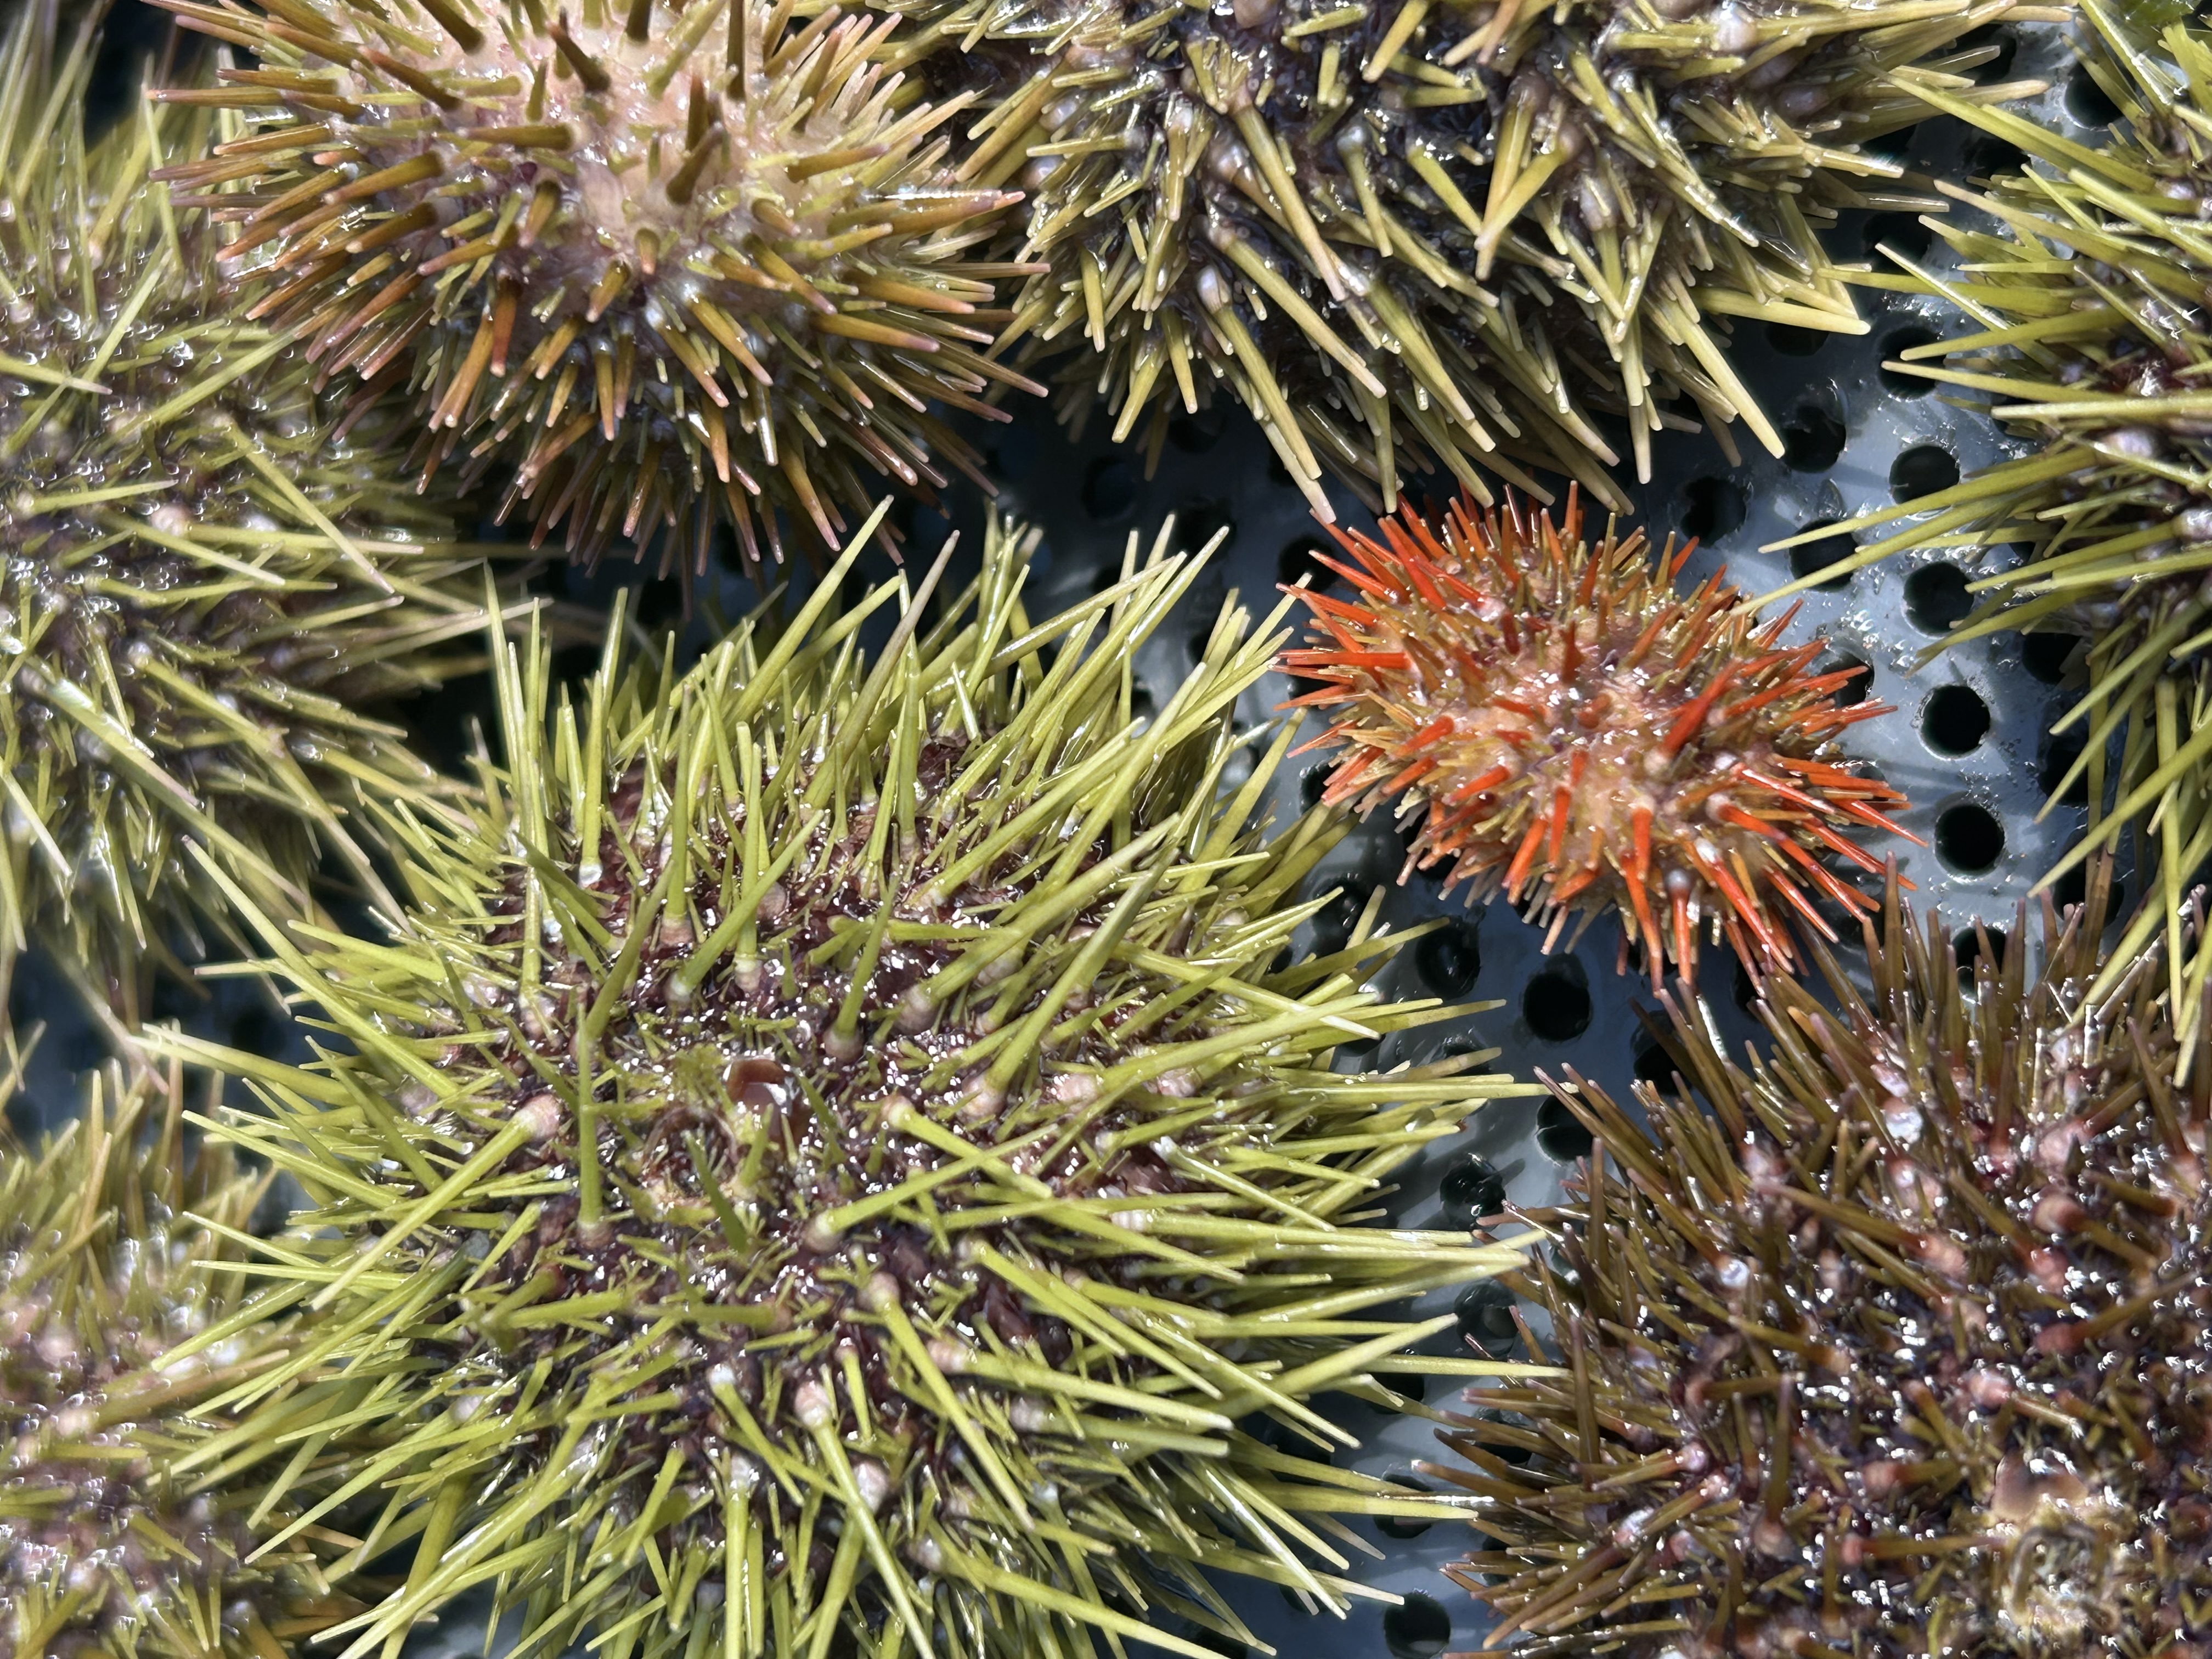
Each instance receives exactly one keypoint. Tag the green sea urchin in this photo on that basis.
(1450, 233)
(1903, 1348)
(202, 582)
(2085, 292)
(120, 1262)
(1569, 732)
(828, 1160)
(714, 270)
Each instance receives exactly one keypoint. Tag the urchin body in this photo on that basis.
(1954, 1253)
(704, 271)
(205, 575)
(1558, 725)
(1416, 235)
(117, 1259)
(855, 1134)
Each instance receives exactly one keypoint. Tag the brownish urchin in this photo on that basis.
(1561, 726)
(712, 268)
(1903, 1348)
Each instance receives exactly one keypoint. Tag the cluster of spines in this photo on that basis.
(121, 1251)
(1327, 208)
(754, 994)
(1563, 728)
(667, 280)
(204, 586)
(1893, 1345)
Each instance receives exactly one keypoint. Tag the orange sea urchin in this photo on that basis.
(1576, 735)
(666, 279)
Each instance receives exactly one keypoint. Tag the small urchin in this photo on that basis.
(207, 580)
(830, 1157)
(1899, 1344)
(2085, 285)
(710, 269)
(1556, 724)
(1410, 235)
(123, 1320)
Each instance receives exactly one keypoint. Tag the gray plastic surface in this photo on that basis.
(1088, 498)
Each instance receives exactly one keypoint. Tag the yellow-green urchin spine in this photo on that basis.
(120, 1292)
(1418, 233)
(714, 269)
(829, 1159)
(2087, 291)
(203, 583)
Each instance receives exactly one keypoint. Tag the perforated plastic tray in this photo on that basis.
(1968, 745)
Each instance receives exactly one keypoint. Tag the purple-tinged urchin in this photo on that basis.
(830, 1163)
(663, 272)
(1899, 1344)
(124, 1319)
(208, 582)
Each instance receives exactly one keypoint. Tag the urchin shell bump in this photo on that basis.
(830, 1156)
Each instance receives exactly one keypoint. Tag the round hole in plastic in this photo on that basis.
(1560, 1134)
(1967, 947)
(1449, 960)
(2045, 655)
(1485, 1312)
(1813, 439)
(1199, 521)
(1471, 1188)
(1894, 345)
(1955, 719)
(1417, 1628)
(2087, 101)
(1402, 1527)
(1853, 689)
(1936, 597)
(1195, 433)
(1923, 470)
(1713, 507)
(1792, 341)
(1969, 839)
(1810, 558)
(1556, 1003)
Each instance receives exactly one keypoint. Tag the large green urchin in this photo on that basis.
(663, 274)
(1899, 1345)
(2086, 292)
(1450, 233)
(121, 1305)
(203, 576)
(832, 1157)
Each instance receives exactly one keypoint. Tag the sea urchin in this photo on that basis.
(831, 1159)
(1902, 1347)
(712, 270)
(119, 1287)
(205, 580)
(1568, 730)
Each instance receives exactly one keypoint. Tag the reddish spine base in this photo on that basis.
(1572, 733)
